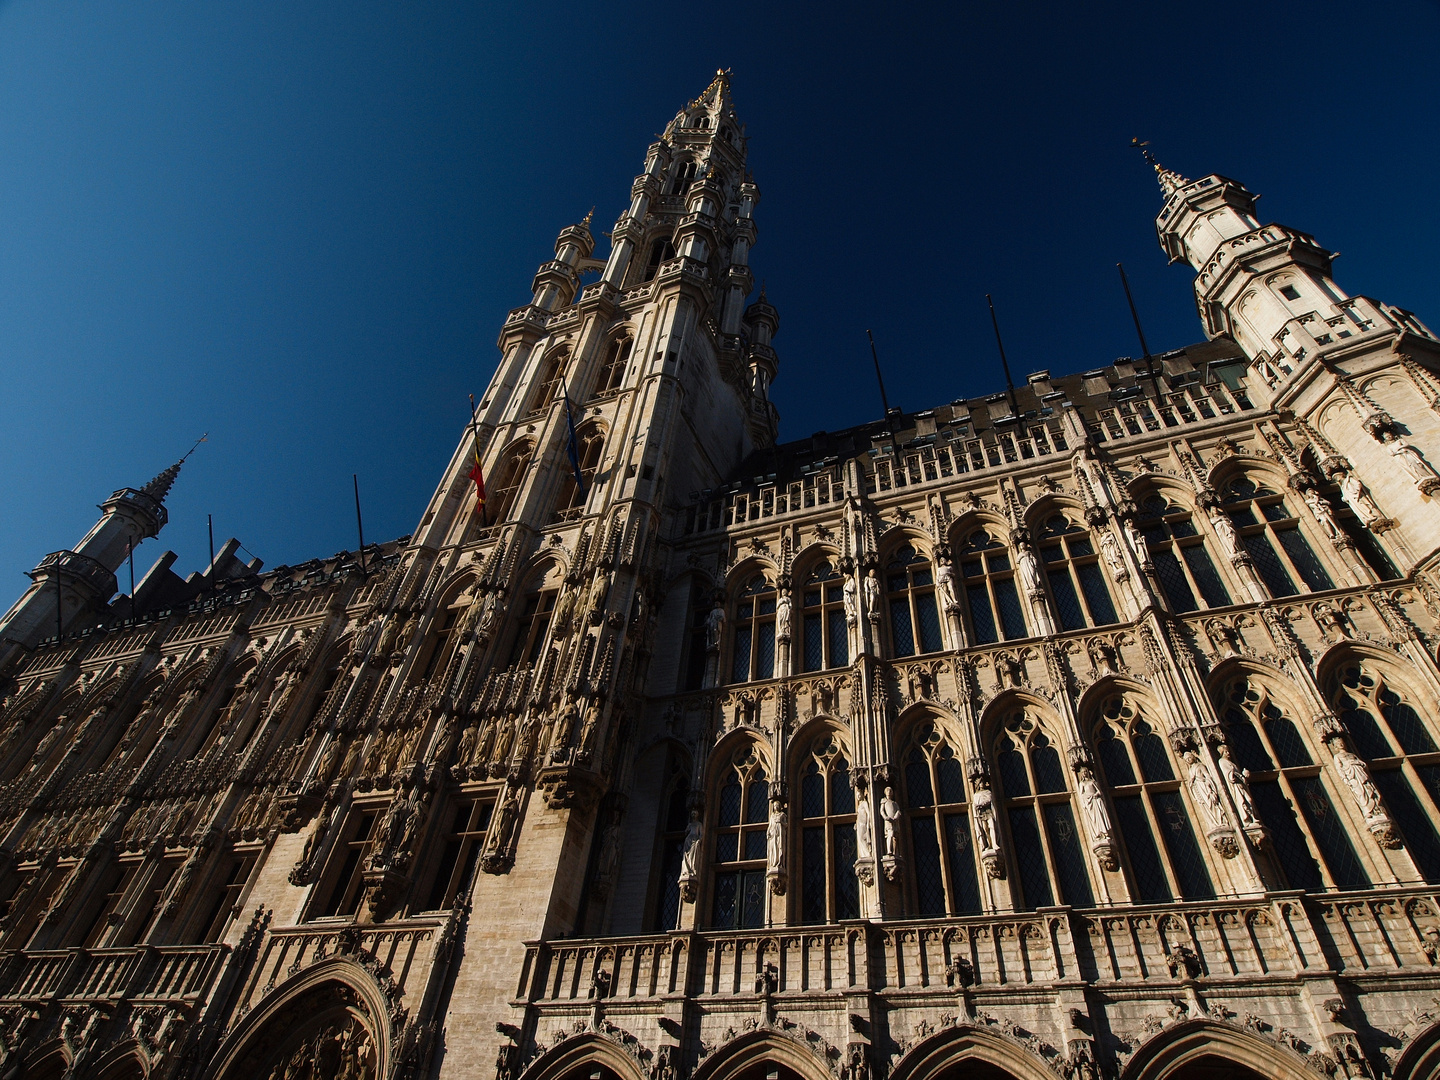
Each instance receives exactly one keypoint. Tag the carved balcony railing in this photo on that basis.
(147, 973)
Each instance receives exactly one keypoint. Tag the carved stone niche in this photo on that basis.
(298, 809)
(569, 787)
(383, 889)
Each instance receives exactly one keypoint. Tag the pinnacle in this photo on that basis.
(1170, 180)
(159, 487)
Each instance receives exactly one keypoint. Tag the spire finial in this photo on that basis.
(160, 486)
(1170, 180)
(591, 214)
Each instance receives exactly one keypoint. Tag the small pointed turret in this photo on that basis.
(1170, 180)
(159, 487)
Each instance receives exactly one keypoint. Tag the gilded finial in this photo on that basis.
(588, 216)
(1170, 181)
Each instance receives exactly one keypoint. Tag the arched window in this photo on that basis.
(1178, 552)
(1387, 732)
(441, 631)
(990, 593)
(660, 251)
(829, 891)
(552, 374)
(825, 640)
(914, 618)
(753, 643)
(1365, 541)
(1263, 521)
(1073, 571)
(533, 622)
(1145, 791)
(589, 447)
(684, 173)
(612, 372)
(1284, 775)
(939, 822)
(506, 483)
(1043, 833)
(674, 818)
(697, 638)
(742, 814)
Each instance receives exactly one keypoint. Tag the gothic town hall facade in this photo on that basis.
(1085, 730)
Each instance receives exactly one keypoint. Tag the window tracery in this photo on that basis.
(1271, 536)
(612, 371)
(1145, 790)
(551, 377)
(741, 818)
(1038, 809)
(825, 641)
(914, 618)
(1072, 570)
(1182, 561)
(991, 596)
(590, 446)
(1284, 778)
(938, 810)
(507, 480)
(752, 653)
(829, 890)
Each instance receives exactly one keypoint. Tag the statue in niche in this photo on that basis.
(1136, 539)
(775, 841)
(872, 596)
(1225, 529)
(849, 591)
(984, 807)
(1353, 771)
(1030, 570)
(715, 626)
(864, 828)
(1238, 781)
(1205, 791)
(782, 617)
(1357, 497)
(1409, 459)
(1324, 517)
(890, 814)
(945, 586)
(1092, 803)
(690, 857)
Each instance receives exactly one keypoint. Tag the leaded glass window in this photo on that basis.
(992, 599)
(1043, 831)
(612, 372)
(1146, 789)
(824, 635)
(742, 813)
(1389, 733)
(752, 653)
(552, 374)
(829, 890)
(1312, 846)
(1072, 569)
(1182, 562)
(1271, 535)
(674, 820)
(504, 484)
(1365, 541)
(914, 616)
(941, 842)
(590, 445)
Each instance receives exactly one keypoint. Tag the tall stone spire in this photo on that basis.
(1170, 180)
(159, 487)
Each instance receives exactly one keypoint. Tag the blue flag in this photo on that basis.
(573, 448)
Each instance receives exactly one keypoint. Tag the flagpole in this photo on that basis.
(1149, 362)
(59, 605)
(130, 551)
(475, 434)
(359, 524)
(210, 525)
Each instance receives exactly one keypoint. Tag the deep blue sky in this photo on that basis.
(298, 226)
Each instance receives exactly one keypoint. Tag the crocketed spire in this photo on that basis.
(159, 487)
(1170, 180)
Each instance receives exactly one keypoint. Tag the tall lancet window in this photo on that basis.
(1044, 835)
(1072, 569)
(1182, 563)
(824, 635)
(753, 642)
(552, 374)
(940, 838)
(1145, 791)
(1389, 734)
(612, 372)
(828, 888)
(914, 618)
(1284, 777)
(742, 814)
(991, 596)
(1272, 537)
(504, 483)
(590, 446)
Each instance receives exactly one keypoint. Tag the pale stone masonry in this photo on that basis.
(1089, 728)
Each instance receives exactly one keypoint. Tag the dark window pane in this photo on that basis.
(1405, 722)
(1206, 576)
(667, 914)
(1067, 604)
(1430, 777)
(929, 617)
(727, 887)
(729, 805)
(1012, 774)
(1420, 838)
(951, 779)
(1069, 855)
(839, 640)
(757, 798)
(929, 884)
(1008, 601)
(1243, 516)
(1329, 833)
(740, 669)
(814, 644)
(812, 795)
(847, 888)
(1307, 565)
(1034, 875)
(1292, 853)
(962, 864)
(1150, 884)
(1115, 762)
(1172, 581)
(1245, 743)
(1289, 746)
(727, 847)
(1092, 584)
(1183, 527)
(842, 795)
(765, 651)
(1185, 857)
(1276, 577)
(901, 633)
(1370, 549)
(1370, 741)
(1049, 774)
(754, 844)
(812, 887)
(1154, 762)
(917, 780)
(982, 619)
(752, 885)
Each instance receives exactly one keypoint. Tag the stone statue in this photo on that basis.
(1225, 529)
(872, 596)
(714, 626)
(1205, 791)
(775, 840)
(1238, 781)
(505, 817)
(1353, 771)
(1320, 510)
(782, 617)
(1029, 570)
(945, 585)
(984, 806)
(890, 815)
(1409, 459)
(1110, 548)
(850, 589)
(864, 828)
(690, 848)
(1357, 497)
(1137, 541)
(1092, 803)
